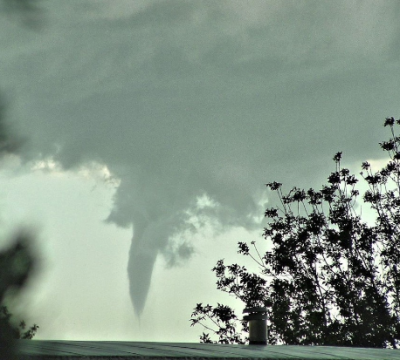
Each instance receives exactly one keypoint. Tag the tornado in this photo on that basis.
(140, 269)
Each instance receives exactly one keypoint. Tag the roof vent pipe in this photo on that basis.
(257, 319)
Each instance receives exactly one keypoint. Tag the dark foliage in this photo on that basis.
(19, 331)
(16, 262)
(16, 265)
(329, 278)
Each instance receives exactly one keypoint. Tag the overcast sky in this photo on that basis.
(152, 127)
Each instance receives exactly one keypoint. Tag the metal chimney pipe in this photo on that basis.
(257, 319)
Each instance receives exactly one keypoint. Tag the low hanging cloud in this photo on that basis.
(183, 101)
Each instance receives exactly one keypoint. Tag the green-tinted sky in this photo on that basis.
(185, 99)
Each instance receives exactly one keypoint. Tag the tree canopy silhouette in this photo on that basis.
(16, 265)
(16, 262)
(329, 278)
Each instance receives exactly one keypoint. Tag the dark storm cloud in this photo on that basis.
(181, 99)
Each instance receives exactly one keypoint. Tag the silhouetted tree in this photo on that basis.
(16, 264)
(19, 331)
(17, 261)
(330, 278)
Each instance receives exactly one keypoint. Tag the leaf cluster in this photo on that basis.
(19, 331)
(224, 319)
